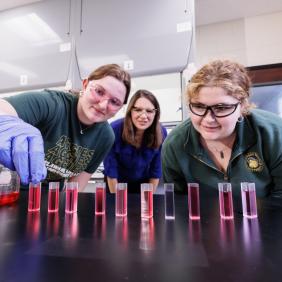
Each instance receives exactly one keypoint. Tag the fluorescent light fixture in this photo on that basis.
(32, 29)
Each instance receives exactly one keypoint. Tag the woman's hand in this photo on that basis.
(155, 182)
(21, 149)
(112, 182)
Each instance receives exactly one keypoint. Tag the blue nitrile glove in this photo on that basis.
(21, 149)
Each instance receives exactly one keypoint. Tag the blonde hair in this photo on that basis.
(226, 74)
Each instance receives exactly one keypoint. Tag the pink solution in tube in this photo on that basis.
(100, 199)
(53, 197)
(193, 201)
(121, 199)
(71, 197)
(146, 200)
(249, 202)
(225, 200)
(34, 197)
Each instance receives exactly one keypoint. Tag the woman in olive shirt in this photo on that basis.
(224, 140)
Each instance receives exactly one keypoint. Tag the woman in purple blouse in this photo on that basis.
(135, 157)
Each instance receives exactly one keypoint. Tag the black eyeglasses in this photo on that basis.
(218, 110)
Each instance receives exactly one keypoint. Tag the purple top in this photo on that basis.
(128, 163)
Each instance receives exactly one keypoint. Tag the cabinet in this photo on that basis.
(45, 43)
(35, 49)
(148, 37)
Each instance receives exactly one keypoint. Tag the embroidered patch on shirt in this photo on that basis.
(253, 162)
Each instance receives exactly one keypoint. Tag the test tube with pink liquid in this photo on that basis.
(71, 197)
(147, 200)
(34, 197)
(100, 198)
(121, 199)
(53, 196)
(193, 201)
(249, 202)
(225, 200)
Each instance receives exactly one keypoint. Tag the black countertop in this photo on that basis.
(84, 247)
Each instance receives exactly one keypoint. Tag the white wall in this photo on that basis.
(251, 41)
(263, 39)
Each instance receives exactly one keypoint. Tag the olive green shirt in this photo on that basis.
(67, 151)
(256, 157)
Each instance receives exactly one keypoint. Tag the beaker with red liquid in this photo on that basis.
(9, 186)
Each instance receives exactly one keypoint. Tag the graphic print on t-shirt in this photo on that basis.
(66, 159)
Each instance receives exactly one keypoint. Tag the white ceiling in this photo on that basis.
(213, 11)
(8, 4)
(207, 11)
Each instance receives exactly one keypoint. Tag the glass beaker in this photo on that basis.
(9, 186)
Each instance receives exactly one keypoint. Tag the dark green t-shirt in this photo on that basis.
(67, 151)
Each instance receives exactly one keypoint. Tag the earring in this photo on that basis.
(240, 119)
(80, 93)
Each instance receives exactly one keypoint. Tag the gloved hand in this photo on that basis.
(21, 149)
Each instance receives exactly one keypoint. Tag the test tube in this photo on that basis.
(193, 201)
(34, 197)
(225, 200)
(100, 198)
(121, 199)
(169, 200)
(147, 200)
(53, 196)
(249, 202)
(71, 197)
